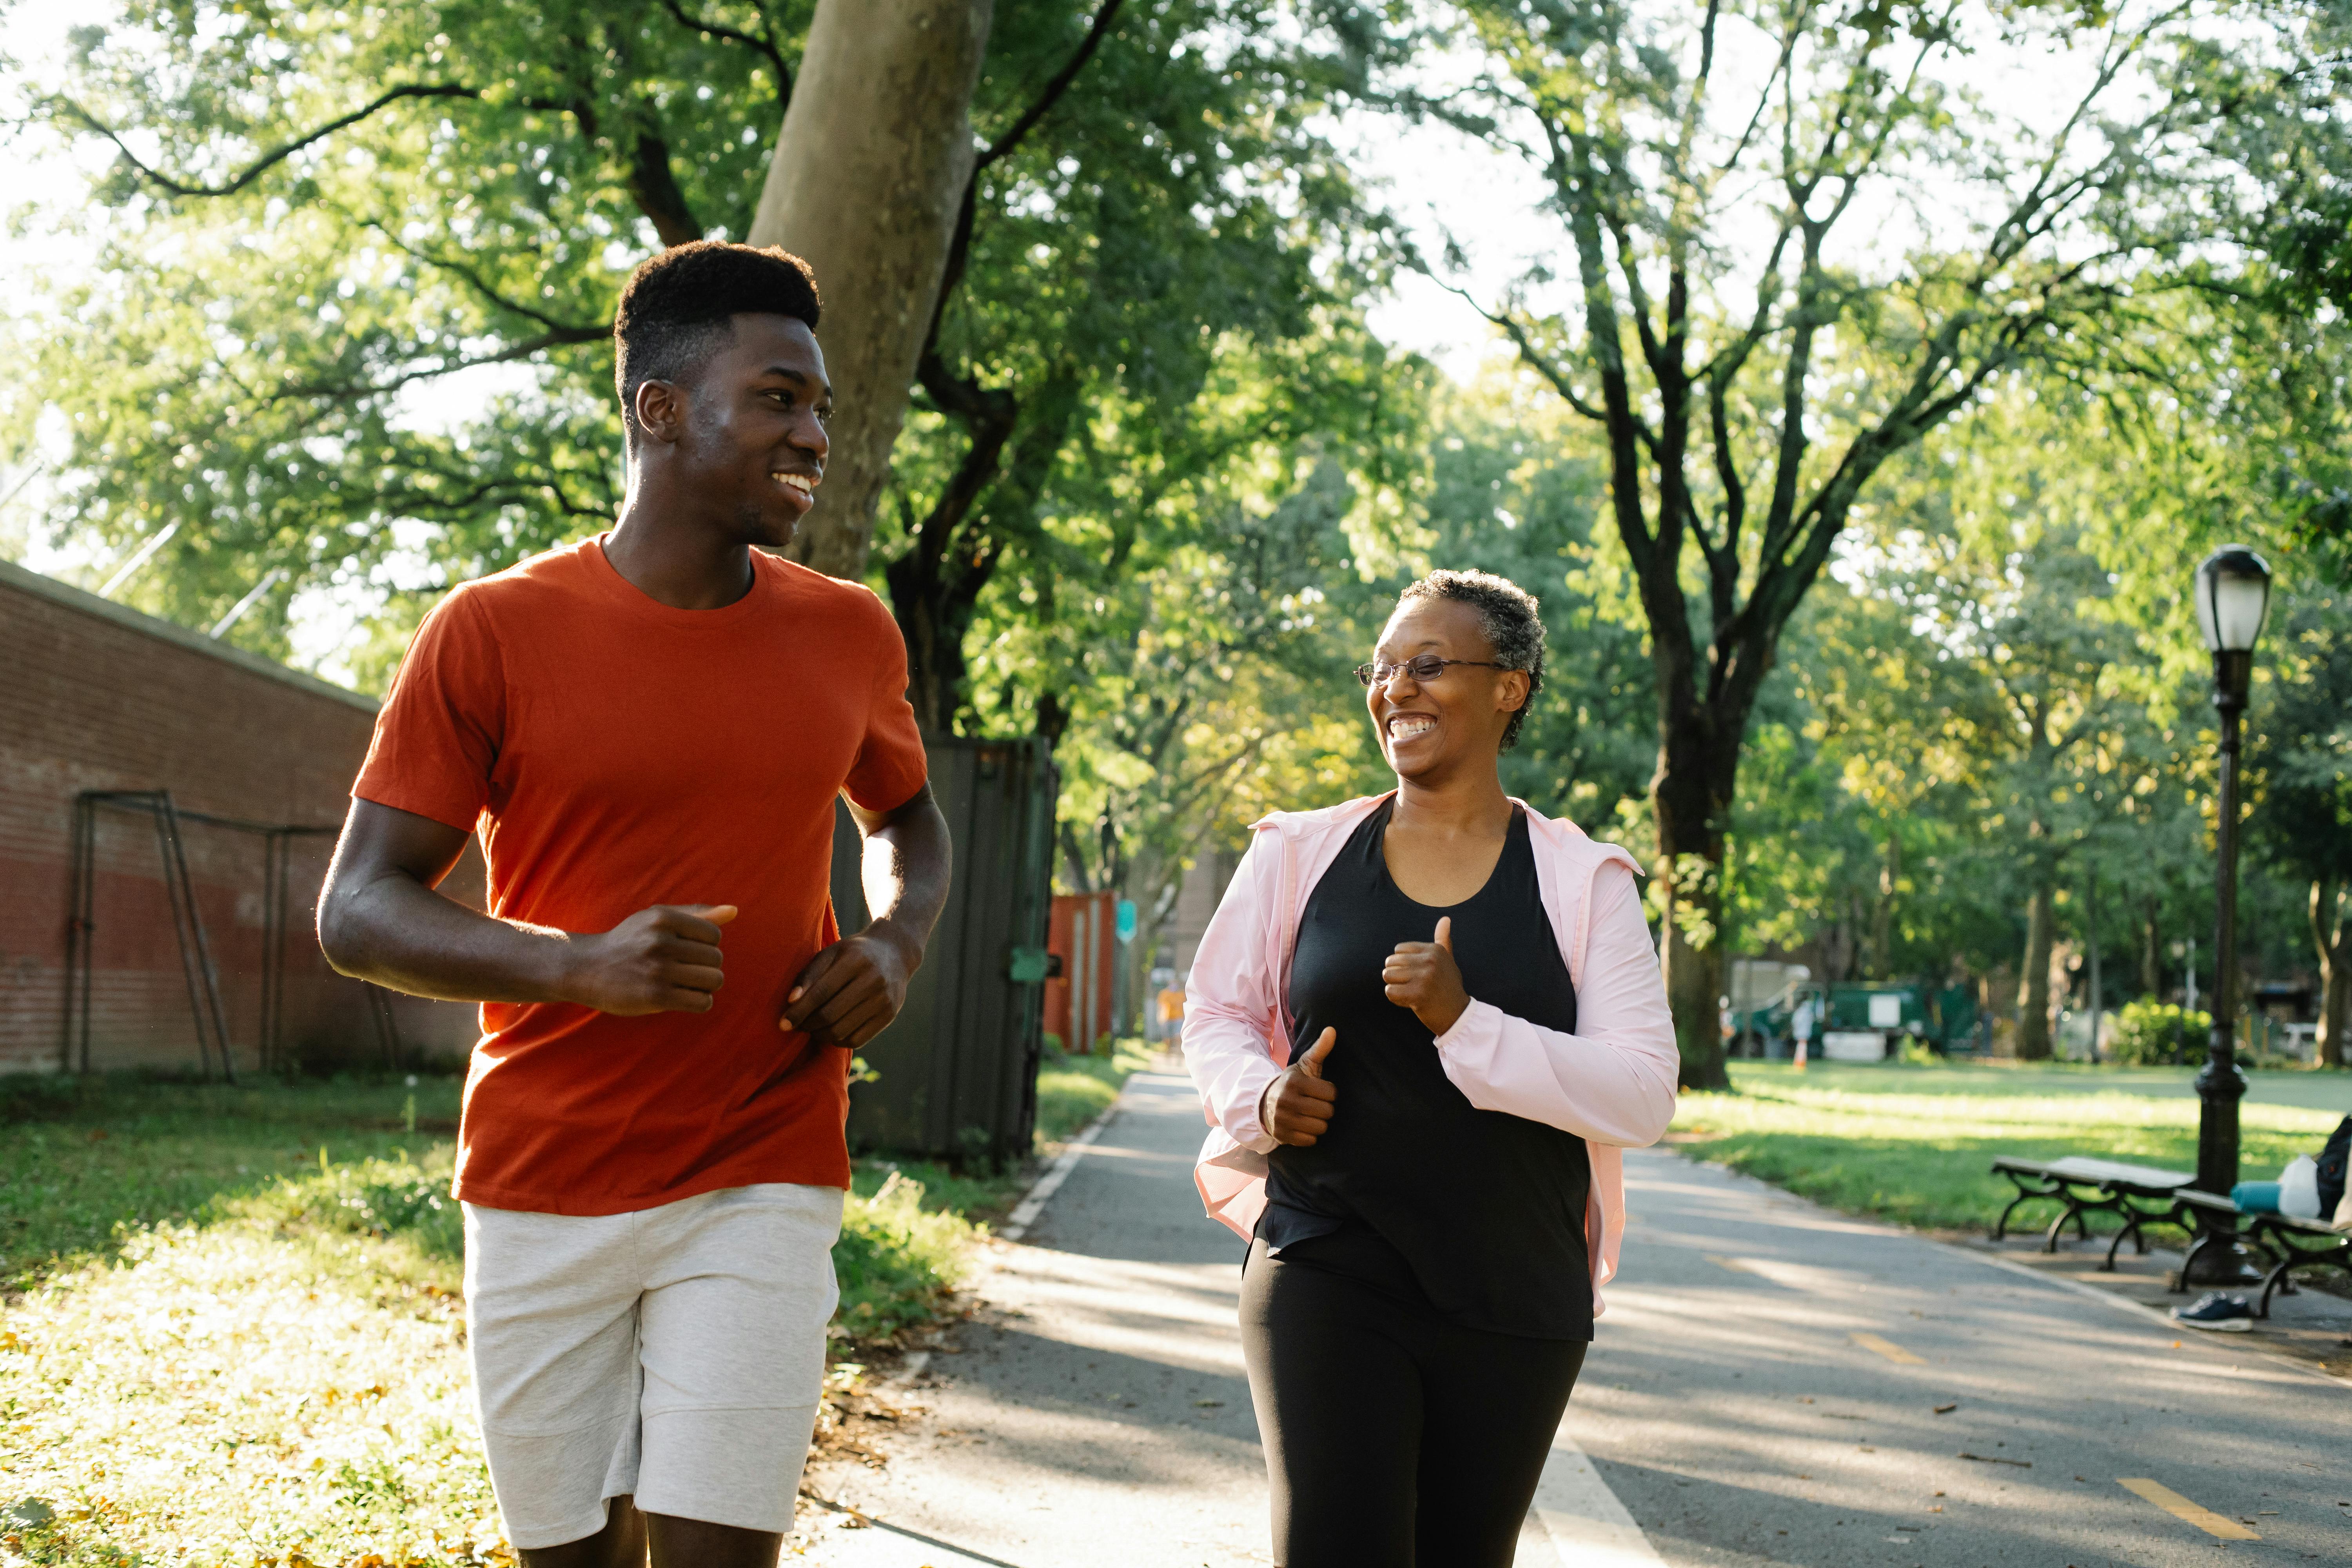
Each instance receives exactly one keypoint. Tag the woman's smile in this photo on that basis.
(1405, 727)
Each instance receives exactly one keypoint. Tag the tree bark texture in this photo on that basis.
(1692, 803)
(870, 172)
(2331, 933)
(2034, 992)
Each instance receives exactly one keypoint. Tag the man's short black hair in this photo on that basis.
(674, 311)
(1509, 614)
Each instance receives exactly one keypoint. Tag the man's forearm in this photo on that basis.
(905, 871)
(408, 938)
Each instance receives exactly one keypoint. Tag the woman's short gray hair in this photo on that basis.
(1509, 616)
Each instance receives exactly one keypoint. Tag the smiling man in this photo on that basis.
(649, 729)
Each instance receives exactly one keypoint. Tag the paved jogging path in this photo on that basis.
(1765, 1390)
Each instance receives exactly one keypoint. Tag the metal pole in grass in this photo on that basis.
(2234, 591)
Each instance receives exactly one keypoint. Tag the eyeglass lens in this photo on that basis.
(1422, 667)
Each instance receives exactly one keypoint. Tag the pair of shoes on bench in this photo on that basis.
(2218, 1310)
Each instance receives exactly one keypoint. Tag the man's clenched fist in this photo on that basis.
(851, 991)
(661, 960)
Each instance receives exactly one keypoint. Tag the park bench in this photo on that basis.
(2142, 1194)
(2288, 1241)
(2135, 1194)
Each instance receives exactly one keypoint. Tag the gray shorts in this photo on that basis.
(674, 1355)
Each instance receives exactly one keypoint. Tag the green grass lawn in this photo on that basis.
(1916, 1144)
(234, 1331)
(80, 1157)
(231, 1329)
(1074, 1090)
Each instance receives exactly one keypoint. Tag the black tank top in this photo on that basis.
(1414, 1190)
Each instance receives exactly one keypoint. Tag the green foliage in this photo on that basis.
(503, 167)
(1072, 1090)
(2301, 736)
(1160, 481)
(897, 1261)
(446, 198)
(2008, 695)
(2151, 1033)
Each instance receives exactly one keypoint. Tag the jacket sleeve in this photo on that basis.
(1230, 1019)
(1612, 1081)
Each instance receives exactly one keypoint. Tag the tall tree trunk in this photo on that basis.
(2090, 938)
(2151, 954)
(867, 178)
(2331, 933)
(1882, 919)
(2034, 992)
(1692, 803)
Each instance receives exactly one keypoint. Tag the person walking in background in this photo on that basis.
(650, 729)
(1801, 1025)
(1423, 1026)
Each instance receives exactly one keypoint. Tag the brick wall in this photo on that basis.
(97, 696)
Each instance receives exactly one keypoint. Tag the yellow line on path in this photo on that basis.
(2187, 1512)
(1890, 1350)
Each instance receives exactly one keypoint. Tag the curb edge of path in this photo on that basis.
(1033, 1203)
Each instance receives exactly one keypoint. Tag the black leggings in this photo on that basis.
(1394, 1439)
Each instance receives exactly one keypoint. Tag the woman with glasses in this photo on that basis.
(1425, 1025)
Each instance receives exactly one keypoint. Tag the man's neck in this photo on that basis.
(668, 554)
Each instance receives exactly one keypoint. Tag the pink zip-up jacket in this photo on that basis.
(1612, 1083)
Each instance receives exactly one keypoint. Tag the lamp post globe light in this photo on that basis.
(2233, 594)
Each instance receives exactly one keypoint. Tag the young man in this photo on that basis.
(649, 729)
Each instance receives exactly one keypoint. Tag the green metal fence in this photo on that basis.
(958, 1067)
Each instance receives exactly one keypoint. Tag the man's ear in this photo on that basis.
(660, 409)
(1514, 693)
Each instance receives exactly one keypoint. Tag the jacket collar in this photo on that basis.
(1559, 836)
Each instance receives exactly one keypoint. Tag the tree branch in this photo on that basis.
(655, 189)
(480, 284)
(1060, 84)
(349, 390)
(764, 42)
(276, 157)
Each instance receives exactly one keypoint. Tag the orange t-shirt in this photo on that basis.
(615, 753)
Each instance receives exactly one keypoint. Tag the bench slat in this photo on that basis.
(2075, 1168)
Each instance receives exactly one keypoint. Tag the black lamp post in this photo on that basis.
(2233, 593)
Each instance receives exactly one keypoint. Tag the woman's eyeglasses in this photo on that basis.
(1422, 667)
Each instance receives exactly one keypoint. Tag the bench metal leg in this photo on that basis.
(2206, 1237)
(2281, 1254)
(2001, 1225)
(2276, 1280)
(2025, 1191)
(2077, 1208)
(2131, 1228)
(2286, 1247)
